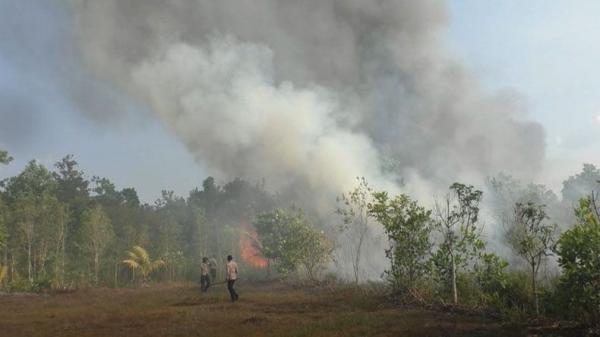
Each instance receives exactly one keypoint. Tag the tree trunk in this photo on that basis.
(29, 261)
(533, 286)
(357, 258)
(62, 262)
(96, 267)
(116, 273)
(454, 290)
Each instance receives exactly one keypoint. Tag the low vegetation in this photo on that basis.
(271, 309)
(60, 231)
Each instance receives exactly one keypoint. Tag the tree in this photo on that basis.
(72, 190)
(98, 234)
(315, 249)
(408, 227)
(289, 240)
(578, 251)
(532, 238)
(140, 260)
(354, 209)
(272, 229)
(581, 185)
(30, 196)
(457, 221)
(5, 158)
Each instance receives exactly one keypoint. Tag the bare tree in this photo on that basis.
(354, 209)
(532, 238)
(457, 220)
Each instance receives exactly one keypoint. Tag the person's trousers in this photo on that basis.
(204, 282)
(232, 293)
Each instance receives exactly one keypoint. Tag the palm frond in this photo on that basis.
(156, 265)
(132, 256)
(133, 264)
(141, 253)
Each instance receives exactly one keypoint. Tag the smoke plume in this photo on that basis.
(310, 93)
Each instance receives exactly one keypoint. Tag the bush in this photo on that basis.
(579, 257)
(37, 286)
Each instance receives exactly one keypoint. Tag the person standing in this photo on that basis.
(232, 275)
(204, 275)
(212, 263)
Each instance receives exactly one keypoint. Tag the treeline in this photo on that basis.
(441, 254)
(59, 229)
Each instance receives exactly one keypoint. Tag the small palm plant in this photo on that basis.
(140, 260)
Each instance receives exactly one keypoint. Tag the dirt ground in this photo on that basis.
(265, 310)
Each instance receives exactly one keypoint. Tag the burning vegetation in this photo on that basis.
(249, 252)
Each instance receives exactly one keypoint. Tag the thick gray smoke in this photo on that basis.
(310, 94)
(313, 92)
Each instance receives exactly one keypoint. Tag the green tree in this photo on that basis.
(5, 158)
(408, 227)
(315, 249)
(354, 209)
(72, 190)
(491, 276)
(578, 251)
(30, 196)
(139, 260)
(457, 220)
(98, 234)
(532, 238)
(286, 238)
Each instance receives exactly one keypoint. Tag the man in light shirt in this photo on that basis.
(232, 274)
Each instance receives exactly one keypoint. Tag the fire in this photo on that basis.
(248, 251)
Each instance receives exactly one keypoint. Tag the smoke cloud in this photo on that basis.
(311, 93)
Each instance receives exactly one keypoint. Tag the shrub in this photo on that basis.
(579, 257)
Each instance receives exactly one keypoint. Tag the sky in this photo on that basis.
(545, 51)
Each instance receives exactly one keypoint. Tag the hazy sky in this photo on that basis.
(546, 51)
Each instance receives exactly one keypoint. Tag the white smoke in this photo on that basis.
(223, 102)
(310, 94)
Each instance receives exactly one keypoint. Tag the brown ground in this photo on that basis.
(266, 310)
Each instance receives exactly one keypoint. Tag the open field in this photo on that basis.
(268, 310)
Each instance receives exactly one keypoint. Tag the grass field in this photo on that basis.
(265, 310)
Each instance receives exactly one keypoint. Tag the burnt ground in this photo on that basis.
(263, 310)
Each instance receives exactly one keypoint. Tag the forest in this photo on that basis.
(517, 250)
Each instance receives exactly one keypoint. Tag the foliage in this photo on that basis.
(139, 260)
(98, 228)
(315, 250)
(354, 210)
(457, 221)
(491, 275)
(532, 238)
(5, 158)
(3, 270)
(408, 228)
(286, 238)
(579, 257)
(581, 185)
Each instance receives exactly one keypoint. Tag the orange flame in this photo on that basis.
(248, 251)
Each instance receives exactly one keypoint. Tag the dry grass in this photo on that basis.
(265, 310)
